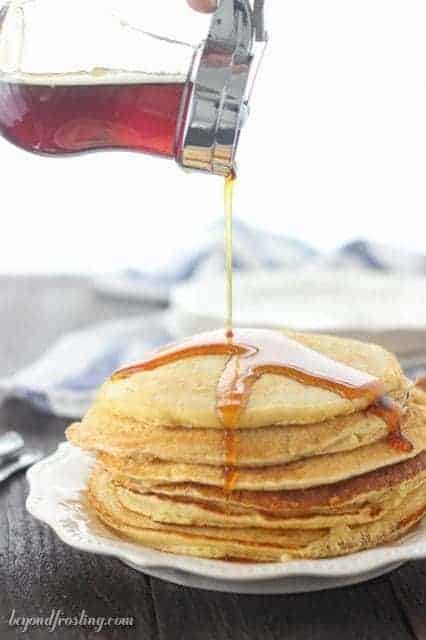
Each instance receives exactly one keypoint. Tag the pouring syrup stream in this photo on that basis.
(229, 201)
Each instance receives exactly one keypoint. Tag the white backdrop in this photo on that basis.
(335, 148)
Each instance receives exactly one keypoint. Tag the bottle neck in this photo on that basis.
(208, 138)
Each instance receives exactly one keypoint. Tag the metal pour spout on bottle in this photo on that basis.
(223, 80)
(77, 76)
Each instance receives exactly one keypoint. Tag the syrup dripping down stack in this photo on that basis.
(266, 447)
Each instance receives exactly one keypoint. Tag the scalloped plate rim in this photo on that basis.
(367, 561)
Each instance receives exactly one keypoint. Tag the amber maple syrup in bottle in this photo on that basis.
(77, 76)
(60, 117)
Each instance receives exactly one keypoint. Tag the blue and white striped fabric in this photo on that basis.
(253, 250)
(65, 379)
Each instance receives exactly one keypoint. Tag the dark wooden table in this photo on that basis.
(39, 573)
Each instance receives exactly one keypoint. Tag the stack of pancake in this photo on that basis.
(306, 473)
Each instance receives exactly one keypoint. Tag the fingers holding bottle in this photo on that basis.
(205, 6)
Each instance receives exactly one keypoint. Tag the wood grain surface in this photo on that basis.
(39, 573)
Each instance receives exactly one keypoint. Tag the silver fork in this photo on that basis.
(12, 456)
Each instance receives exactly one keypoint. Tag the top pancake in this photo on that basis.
(183, 393)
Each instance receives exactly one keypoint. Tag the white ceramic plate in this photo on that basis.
(57, 498)
(308, 299)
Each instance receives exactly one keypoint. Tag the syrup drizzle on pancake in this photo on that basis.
(392, 413)
(256, 352)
